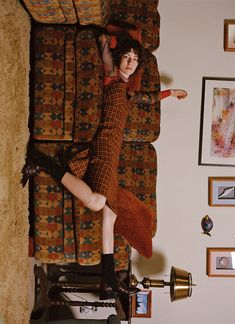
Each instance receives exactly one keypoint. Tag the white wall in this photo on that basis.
(191, 47)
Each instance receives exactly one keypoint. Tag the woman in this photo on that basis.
(96, 186)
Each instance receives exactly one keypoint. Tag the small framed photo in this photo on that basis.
(217, 130)
(221, 262)
(221, 191)
(142, 304)
(229, 35)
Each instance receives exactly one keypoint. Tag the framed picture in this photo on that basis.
(217, 127)
(221, 191)
(221, 262)
(142, 304)
(229, 35)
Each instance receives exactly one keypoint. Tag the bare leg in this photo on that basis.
(110, 285)
(83, 192)
(109, 218)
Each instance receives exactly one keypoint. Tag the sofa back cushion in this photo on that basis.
(53, 84)
(89, 87)
(91, 11)
(67, 11)
(143, 121)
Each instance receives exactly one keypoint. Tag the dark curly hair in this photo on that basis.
(124, 45)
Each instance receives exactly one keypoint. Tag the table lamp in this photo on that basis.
(180, 283)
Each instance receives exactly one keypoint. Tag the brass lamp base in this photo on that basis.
(180, 283)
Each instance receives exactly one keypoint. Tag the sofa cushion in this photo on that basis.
(52, 11)
(150, 80)
(54, 82)
(91, 11)
(137, 173)
(143, 121)
(67, 11)
(54, 239)
(89, 87)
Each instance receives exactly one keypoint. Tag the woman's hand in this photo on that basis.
(178, 93)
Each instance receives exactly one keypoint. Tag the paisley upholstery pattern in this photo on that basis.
(53, 216)
(89, 87)
(91, 11)
(50, 11)
(138, 173)
(54, 80)
(66, 231)
(67, 11)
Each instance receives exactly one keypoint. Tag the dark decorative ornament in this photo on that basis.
(207, 225)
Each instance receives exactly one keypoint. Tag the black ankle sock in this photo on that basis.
(108, 271)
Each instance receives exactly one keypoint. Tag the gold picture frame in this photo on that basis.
(221, 262)
(221, 191)
(141, 304)
(229, 35)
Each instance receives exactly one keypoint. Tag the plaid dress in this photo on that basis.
(98, 166)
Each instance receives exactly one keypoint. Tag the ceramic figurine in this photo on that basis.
(207, 225)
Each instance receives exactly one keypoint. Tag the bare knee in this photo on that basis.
(96, 202)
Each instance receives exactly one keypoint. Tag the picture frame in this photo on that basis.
(217, 131)
(229, 35)
(142, 304)
(221, 191)
(221, 262)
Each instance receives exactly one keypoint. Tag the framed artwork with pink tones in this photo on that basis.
(217, 126)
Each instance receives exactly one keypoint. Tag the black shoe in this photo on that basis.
(123, 289)
(29, 170)
(35, 162)
(106, 292)
(39, 161)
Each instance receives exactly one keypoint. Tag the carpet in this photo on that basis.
(14, 134)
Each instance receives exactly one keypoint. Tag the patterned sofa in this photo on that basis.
(66, 104)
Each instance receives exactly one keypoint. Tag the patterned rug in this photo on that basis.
(14, 108)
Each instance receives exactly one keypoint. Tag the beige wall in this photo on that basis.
(191, 47)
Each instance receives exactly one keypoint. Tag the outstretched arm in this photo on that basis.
(155, 96)
(178, 93)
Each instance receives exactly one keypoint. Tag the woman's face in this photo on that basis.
(129, 63)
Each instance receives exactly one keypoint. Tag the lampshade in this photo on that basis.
(180, 283)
